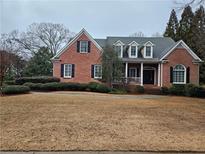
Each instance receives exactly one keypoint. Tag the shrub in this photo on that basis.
(92, 86)
(53, 86)
(9, 82)
(164, 90)
(194, 91)
(139, 89)
(177, 89)
(118, 91)
(15, 89)
(40, 79)
(102, 88)
(33, 86)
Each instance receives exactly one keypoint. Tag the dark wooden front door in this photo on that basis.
(148, 76)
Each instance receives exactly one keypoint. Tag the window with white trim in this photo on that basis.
(67, 70)
(83, 46)
(118, 49)
(133, 51)
(97, 71)
(179, 74)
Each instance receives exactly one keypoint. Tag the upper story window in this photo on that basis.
(179, 74)
(148, 50)
(83, 46)
(119, 48)
(133, 49)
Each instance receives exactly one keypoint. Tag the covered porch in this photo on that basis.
(142, 73)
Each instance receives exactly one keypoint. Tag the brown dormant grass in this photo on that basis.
(91, 121)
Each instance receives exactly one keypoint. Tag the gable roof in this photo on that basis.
(174, 46)
(83, 31)
(160, 43)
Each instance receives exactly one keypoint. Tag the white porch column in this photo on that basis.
(158, 75)
(126, 70)
(141, 74)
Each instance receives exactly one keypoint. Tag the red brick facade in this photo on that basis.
(180, 56)
(82, 61)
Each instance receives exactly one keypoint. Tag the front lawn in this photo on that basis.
(93, 121)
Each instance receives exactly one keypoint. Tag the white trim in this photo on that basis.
(69, 76)
(161, 83)
(187, 49)
(141, 74)
(118, 42)
(152, 68)
(133, 43)
(129, 51)
(94, 71)
(184, 75)
(83, 31)
(151, 44)
(158, 75)
(145, 50)
(121, 50)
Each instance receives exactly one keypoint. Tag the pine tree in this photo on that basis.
(172, 26)
(184, 30)
(197, 43)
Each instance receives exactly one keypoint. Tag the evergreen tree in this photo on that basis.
(40, 64)
(111, 66)
(184, 30)
(172, 26)
(198, 38)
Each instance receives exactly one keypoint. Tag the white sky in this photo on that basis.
(99, 18)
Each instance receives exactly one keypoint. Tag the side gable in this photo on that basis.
(83, 31)
(181, 43)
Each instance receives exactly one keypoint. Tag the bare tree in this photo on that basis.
(181, 4)
(52, 36)
(137, 34)
(157, 34)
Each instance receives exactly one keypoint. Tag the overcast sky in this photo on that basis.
(99, 18)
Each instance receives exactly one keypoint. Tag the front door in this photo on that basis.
(148, 76)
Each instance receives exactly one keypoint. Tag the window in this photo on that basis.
(83, 46)
(148, 51)
(133, 51)
(97, 71)
(179, 76)
(132, 72)
(67, 70)
(118, 49)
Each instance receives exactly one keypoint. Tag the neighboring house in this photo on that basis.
(147, 60)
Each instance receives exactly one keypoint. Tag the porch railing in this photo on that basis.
(128, 80)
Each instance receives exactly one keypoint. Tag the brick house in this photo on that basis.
(147, 60)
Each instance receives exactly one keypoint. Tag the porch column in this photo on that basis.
(158, 75)
(141, 74)
(126, 70)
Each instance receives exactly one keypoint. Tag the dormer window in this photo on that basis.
(119, 48)
(133, 49)
(148, 50)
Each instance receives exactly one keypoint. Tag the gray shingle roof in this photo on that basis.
(161, 44)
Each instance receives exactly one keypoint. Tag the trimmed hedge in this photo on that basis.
(40, 79)
(177, 89)
(9, 82)
(55, 86)
(190, 90)
(15, 89)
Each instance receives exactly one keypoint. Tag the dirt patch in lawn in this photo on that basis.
(91, 121)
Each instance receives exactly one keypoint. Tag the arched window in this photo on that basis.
(179, 74)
